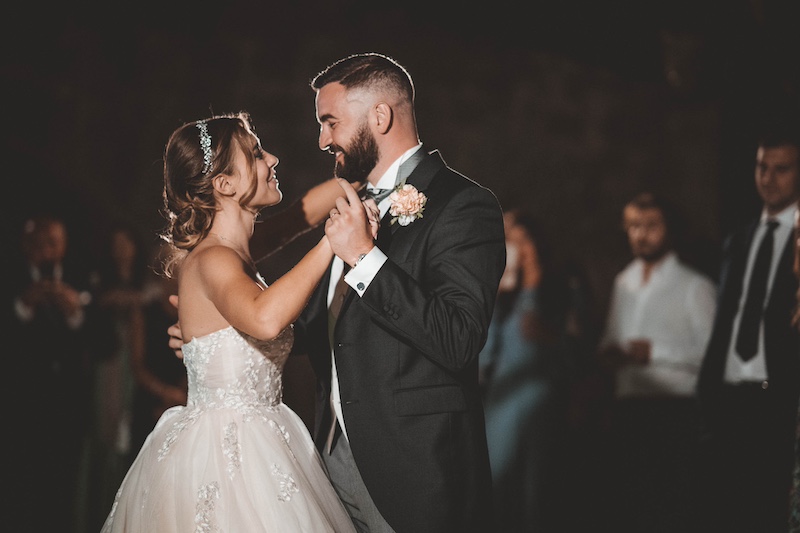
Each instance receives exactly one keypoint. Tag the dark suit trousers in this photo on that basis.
(346, 479)
(746, 462)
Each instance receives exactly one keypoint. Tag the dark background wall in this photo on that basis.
(565, 108)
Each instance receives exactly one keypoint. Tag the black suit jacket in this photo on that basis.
(780, 338)
(407, 358)
(49, 353)
(48, 386)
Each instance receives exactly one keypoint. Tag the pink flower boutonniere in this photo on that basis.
(407, 204)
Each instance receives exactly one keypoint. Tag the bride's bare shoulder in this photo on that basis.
(210, 256)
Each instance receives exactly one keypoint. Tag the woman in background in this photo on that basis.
(523, 368)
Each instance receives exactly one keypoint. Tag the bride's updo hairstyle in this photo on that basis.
(195, 154)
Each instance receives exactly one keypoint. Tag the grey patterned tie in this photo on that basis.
(403, 172)
(339, 294)
(409, 165)
(377, 194)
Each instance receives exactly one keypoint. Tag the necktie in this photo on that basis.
(339, 294)
(377, 194)
(403, 172)
(747, 338)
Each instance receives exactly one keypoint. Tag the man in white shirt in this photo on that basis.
(657, 328)
(750, 379)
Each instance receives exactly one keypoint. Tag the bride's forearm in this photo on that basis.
(304, 214)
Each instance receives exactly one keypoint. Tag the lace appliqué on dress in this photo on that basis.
(187, 419)
(205, 518)
(231, 449)
(287, 484)
(283, 434)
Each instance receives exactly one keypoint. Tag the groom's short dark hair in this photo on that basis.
(368, 70)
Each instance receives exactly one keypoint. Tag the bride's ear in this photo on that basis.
(223, 185)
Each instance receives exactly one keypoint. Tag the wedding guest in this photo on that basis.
(117, 340)
(750, 378)
(50, 311)
(657, 328)
(524, 365)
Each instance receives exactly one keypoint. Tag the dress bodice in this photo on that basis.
(230, 369)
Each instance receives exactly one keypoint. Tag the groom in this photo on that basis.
(399, 419)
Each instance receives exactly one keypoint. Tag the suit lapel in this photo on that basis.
(783, 273)
(421, 175)
(738, 266)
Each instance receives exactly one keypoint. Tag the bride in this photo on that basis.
(235, 458)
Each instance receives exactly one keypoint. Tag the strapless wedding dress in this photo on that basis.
(235, 459)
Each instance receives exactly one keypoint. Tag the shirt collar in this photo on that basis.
(389, 178)
(664, 265)
(784, 218)
(57, 273)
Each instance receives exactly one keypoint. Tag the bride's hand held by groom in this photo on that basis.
(352, 226)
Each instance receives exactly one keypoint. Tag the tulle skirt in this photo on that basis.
(228, 470)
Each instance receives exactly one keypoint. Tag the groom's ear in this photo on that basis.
(383, 116)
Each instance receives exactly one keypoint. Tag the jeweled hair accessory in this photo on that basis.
(205, 144)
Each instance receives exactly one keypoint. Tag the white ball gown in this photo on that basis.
(235, 459)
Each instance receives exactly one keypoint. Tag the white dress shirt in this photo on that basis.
(674, 310)
(360, 276)
(736, 369)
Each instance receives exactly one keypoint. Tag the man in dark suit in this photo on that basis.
(750, 377)
(48, 313)
(399, 419)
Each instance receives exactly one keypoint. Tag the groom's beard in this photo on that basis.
(360, 157)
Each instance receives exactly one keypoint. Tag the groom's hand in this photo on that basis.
(174, 331)
(348, 228)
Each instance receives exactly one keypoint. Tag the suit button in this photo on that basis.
(765, 384)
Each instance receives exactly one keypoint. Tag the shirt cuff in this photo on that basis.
(360, 276)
